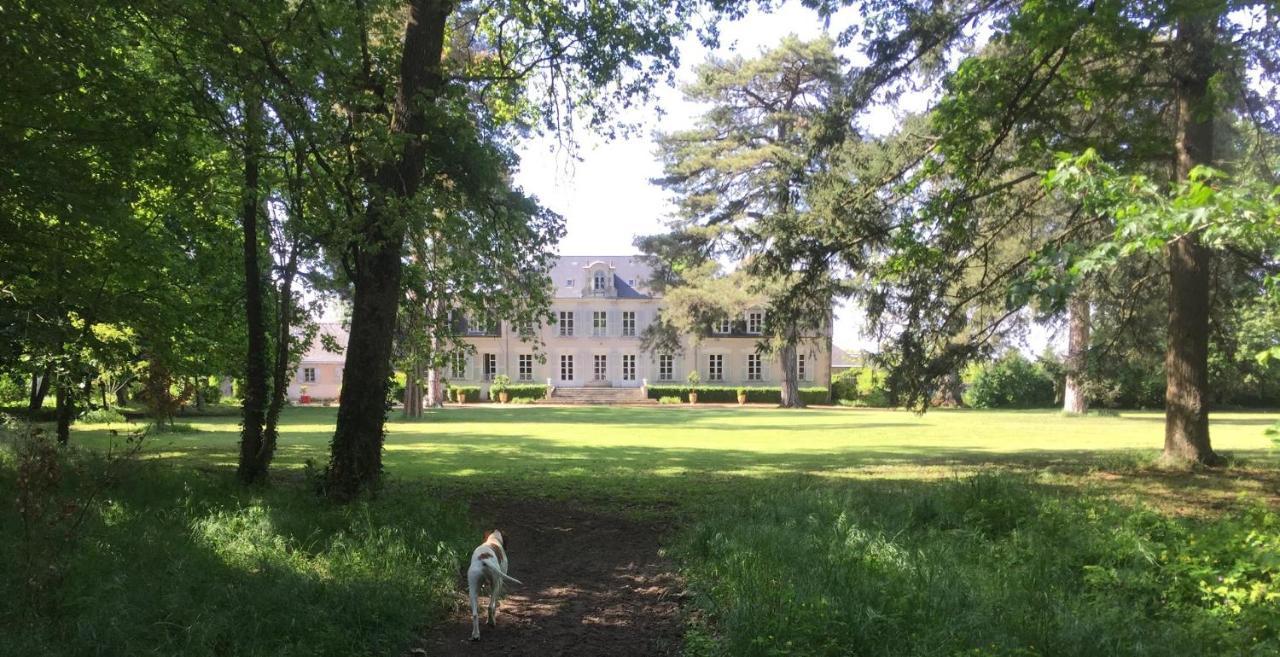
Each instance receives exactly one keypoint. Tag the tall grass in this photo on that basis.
(987, 565)
(183, 561)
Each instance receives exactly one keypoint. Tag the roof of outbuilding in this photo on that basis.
(631, 275)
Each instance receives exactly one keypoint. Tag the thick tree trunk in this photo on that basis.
(413, 389)
(65, 409)
(255, 389)
(790, 377)
(355, 461)
(39, 389)
(1074, 400)
(1186, 363)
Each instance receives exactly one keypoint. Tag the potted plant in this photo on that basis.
(499, 386)
(694, 379)
(461, 395)
(742, 396)
(304, 398)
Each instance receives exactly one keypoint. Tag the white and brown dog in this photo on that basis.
(488, 563)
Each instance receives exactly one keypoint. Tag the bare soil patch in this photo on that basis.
(594, 584)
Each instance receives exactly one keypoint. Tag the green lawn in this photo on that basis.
(823, 532)
(639, 455)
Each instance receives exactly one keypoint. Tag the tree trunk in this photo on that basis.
(413, 389)
(435, 386)
(65, 410)
(280, 372)
(355, 461)
(39, 389)
(255, 389)
(1074, 400)
(1186, 435)
(790, 377)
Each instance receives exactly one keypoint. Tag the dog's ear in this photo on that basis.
(487, 534)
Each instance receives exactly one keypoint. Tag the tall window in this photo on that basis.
(601, 367)
(525, 371)
(459, 366)
(566, 367)
(566, 322)
(629, 323)
(490, 366)
(308, 375)
(599, 323)
(568, 282)
(666, 367)
(722, 327)
(755, 321)
(753, 367)
(715, 367)
(597, 281)
(801, 372)
(628, 367)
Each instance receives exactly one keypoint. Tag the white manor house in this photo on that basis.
(601, 306)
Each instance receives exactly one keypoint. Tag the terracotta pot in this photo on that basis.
(504, 397)
(304, 399)
(462, 397)
(693, 397)
(742, 399)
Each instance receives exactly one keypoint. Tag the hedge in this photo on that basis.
(526, 391)
(473, 393)
(729, 394)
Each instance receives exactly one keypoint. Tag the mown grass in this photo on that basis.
(821, 532)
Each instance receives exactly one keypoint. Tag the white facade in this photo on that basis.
(601, 308)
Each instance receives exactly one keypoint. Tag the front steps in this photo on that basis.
(600, 396)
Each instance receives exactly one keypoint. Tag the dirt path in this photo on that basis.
(593, 585)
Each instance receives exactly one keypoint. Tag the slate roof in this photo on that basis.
(630, 276)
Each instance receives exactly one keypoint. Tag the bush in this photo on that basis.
(531, 391)
(12, 391)
(669, 400)
(1010, 382)
(522, 400)
(211, 393)
(472, 392)
(102, 416)
(860, 387)
(729, 395)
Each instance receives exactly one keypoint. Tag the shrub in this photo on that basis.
(472, 392)
(102, 416)
(529, 391)
(861, 387)
(1010, 382)
(11, 390)
(670, 400)
(728, 395)
(500, 383)
(523, 400)
(211, 393)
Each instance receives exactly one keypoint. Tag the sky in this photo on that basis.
(604, 193)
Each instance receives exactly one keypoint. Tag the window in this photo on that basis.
(568, 282)
(308, 375)
(666, 367)
(753, 367)
(722, 327)
(459, 366)
(490, 366)
(800, 368)
(599, 323)
(628, 367)
(755, 321)
(601, 369)
(715, 367)
(597, 281)
(566, 322)
(566, 367)
(526, 367)
(631, 282)
(628, 323)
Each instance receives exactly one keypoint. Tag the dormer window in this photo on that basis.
(755, 322)
(597, 281)
(722, 327)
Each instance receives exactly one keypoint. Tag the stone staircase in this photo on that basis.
(600, 395)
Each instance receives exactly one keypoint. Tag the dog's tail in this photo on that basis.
(498, 572)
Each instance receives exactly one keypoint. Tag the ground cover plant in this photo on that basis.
(808, 533)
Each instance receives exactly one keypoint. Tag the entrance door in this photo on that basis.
(601, 367)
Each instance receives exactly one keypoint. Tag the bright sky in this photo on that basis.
(605, 196)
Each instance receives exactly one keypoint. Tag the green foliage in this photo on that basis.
(102, 416)
(860, 386)
(472, 392)
(1009, 382)
(985, 565)
(693, 378)
(725, 394)
(274, 571)
(671, 399)
(500, 383)
(530, 391)
(12, 391)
